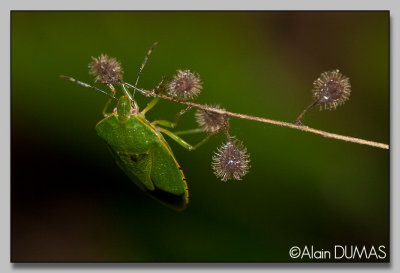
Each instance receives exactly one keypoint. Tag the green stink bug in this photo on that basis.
(139, 147)
(142, 153)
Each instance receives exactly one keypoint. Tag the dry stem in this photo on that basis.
(279, 123)
(152, 93)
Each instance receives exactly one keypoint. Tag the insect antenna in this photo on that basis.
(149, 51)
(87, 85)
(147, 93)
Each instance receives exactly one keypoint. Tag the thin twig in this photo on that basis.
(276, 122)
(152, 93)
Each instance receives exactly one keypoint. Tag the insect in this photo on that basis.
(139, 146)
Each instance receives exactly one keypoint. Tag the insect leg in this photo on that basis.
(182, 142)
(113, 92)
(150, 105)
(87, 85)
(105, 113)
(165, 123)
(190, 131)
(169, 124)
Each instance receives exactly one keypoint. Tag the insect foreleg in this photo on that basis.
(105, 113)
(150, 105)
(182, 142)
(165, 123)
(113, 92)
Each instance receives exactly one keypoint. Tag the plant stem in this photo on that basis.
(271, 121)
(298, 119)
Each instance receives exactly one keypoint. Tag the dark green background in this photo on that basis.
(70, 202)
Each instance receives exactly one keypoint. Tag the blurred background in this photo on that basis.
(71, 202)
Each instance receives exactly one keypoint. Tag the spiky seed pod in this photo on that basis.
(331, 89)
(211, 122)
(231, 160)
(106, 69)
(185, 85)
